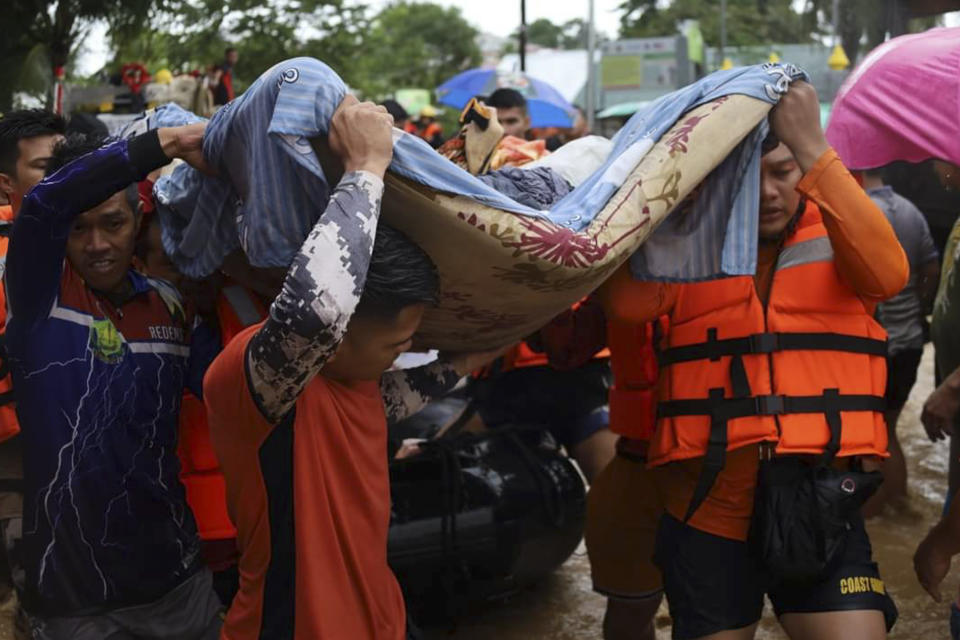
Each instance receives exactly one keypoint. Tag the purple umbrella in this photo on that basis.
(901, 103)
(546, 106)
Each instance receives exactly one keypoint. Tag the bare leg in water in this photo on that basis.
(894, 488)
(631, 619)
(595, 453)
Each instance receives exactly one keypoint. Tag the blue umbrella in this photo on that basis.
(546, 106)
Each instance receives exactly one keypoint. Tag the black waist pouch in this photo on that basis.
(802, 514)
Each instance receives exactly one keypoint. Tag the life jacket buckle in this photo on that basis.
(764, 342)
(767, 449)
(769, 405)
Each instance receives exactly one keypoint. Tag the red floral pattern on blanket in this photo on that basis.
(532, 268)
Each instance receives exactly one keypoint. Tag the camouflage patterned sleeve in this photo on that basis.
(406, 391)
(308, 319)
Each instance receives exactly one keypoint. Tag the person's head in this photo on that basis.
(27, 139)
(102, 239)
(401, 283)
(579, 128)
(948, 174)
(428, 114)
(779, 199)
(512, 111)
(400, 115)
(156, 262)
(873, 178)
(231, 56)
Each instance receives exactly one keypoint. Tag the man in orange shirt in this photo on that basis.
(787, 366)
(298, 408)
(27, 139)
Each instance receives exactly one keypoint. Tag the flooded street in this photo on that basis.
(565, 608)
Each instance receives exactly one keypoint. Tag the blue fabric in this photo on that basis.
(538, 187)
(715, 234)
(272, 188)
(546, 106)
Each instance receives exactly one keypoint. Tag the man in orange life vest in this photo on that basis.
(27, 139)
(788, 366)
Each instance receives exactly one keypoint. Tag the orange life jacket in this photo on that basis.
(522, 355)
(200, 472)
(808, 372)
(9, 425)
(633, 396)
(430, 131)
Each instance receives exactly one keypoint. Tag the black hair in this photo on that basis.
(395, 109)
(507, 99)
(87, 124)
(229, 50)
(877, 172)
(20, 125)
(400, 275)
(77, 145)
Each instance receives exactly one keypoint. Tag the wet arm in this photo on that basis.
(866, 250)
(321, 291)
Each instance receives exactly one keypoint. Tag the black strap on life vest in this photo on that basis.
(721, 410)
(764, 343)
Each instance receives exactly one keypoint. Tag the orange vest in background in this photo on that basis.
(200, 472)
(633, 396)
(9, 425)
(807, 373)
(522, 355)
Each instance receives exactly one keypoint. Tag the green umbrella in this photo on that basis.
(622, 109)
(825, 108)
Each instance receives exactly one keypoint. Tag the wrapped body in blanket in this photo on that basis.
(508, 262)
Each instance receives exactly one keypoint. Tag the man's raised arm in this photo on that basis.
(323, 286)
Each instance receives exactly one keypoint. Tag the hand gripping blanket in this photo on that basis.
(506, 268)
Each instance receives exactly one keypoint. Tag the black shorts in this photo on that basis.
(901, 376)
(714, 584)
(571, 405)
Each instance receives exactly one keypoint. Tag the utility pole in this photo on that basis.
(836, 22)
(591, 106)
(723, 30)
(523, 35)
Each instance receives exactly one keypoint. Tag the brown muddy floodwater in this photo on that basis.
(563, 607)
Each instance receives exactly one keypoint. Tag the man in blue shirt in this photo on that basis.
(100, 356)
(902, 316)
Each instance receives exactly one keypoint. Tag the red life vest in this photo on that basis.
(9, 425)
(633, 396)
(200, 472)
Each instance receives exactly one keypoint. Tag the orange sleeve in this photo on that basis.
(633, 301)
(236, 422)
(866, 250)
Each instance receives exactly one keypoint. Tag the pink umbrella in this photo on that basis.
(901, 103)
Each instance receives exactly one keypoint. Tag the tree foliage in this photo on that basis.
(192, 34)
(41, 35)
(413, 44)
(749, 22)
(766, 22)
(572, 34)
(863, 24)
(405, 45)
